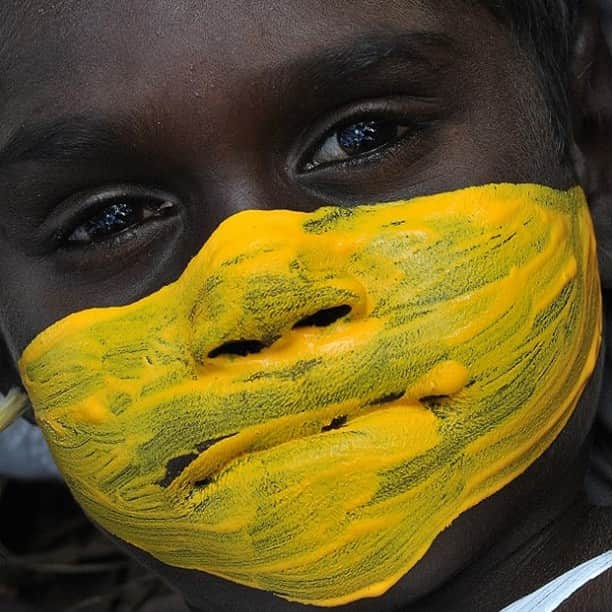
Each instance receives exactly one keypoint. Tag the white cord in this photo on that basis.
(552, 595)
(12, 406)
(24, 454)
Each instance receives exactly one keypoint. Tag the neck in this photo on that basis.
(533, 552)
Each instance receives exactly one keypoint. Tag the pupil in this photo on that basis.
(114, 218)
(365, 136)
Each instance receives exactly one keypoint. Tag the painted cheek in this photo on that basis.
(320, 395)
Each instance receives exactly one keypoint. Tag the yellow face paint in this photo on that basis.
(320, 395)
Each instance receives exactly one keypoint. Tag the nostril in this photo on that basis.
(238, 347)
(324, 318)
(242, 348)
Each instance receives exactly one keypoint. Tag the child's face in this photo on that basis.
(111, 110)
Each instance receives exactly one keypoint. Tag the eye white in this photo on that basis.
(329, 151)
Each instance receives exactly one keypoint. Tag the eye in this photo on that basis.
(355, 140)
(121, 212)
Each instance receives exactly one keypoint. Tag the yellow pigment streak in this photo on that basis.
(323, 466)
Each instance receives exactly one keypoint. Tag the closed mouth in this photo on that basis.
(211, 458)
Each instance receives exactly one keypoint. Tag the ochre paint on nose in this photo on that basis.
(264, 280)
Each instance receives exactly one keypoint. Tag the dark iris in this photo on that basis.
(111, 220)
(365, 136)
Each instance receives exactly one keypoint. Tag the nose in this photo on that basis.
(242, 347)
(260, 278)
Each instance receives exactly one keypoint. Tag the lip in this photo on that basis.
(206, 466)
(215, 455)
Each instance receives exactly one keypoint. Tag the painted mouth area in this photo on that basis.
(213, 457)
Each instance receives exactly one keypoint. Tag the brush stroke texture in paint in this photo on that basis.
(221, 424)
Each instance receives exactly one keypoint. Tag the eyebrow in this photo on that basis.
(431, 51)
(83, 137)
(69, 138)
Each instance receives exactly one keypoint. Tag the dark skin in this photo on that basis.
(216, 107)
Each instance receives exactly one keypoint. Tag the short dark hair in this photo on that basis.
(547, 30)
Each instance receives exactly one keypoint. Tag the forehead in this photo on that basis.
(72, 55)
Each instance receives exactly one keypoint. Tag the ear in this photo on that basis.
(592, 103)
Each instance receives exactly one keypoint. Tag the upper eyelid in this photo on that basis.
(66, 243)
(387, 107)
(73, 212)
